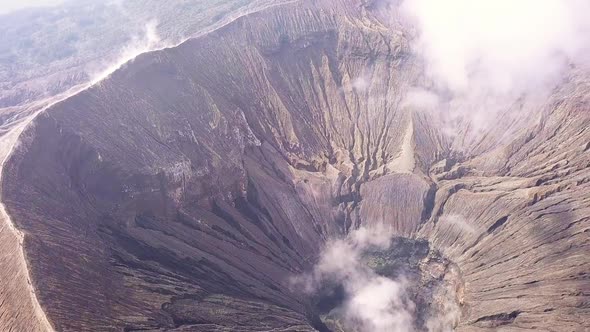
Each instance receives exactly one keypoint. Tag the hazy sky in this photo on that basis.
(7, 6)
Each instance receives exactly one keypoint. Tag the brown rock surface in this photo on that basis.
(182, 192)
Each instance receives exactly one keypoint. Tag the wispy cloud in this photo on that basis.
(459, 223)
(10, 6)
(482, 56)
(503, 46)
(138, 44)
(373, 303)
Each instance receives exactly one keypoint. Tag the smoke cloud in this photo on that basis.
(482, 56)
(459, 223)
(373, 303)
(498, 45)
(138, 44)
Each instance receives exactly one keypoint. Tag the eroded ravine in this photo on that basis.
(185, 190)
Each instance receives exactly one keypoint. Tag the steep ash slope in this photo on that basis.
(515, 220)
(46, 51)
(182, 192)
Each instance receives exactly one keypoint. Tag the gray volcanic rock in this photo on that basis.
(45, 52)
(185, 190)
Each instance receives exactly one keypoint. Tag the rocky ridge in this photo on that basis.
(188, 186)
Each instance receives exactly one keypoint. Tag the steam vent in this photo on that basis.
(198, 186)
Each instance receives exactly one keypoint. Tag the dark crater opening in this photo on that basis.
(432, 284)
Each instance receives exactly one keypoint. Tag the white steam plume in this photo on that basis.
(373, 303)
(482, 56)
(459, 223)
(499, 45)
(149, 41)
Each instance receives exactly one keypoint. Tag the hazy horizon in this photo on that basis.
(9, 6)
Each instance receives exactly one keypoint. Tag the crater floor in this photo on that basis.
(185, 190)
(431, 289)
